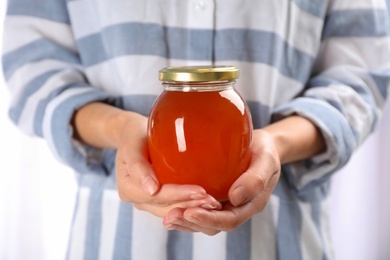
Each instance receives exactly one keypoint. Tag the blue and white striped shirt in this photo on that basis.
(326, 60)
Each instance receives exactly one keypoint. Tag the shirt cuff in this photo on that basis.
(58, 131)
(339, 138)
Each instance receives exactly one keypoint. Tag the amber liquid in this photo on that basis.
(200, 138)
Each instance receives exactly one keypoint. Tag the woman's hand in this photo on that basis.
(137, 183)
(101, 125)
(188, 207)
(248, 195)
(291, 139)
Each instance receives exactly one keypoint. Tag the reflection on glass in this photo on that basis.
(181, 139)
(235, 99)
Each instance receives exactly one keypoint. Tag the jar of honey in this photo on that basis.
(200, 129)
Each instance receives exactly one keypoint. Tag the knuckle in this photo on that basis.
(212, 232)
(258, 181)
(122, 197)
(138, 206)
(231, 227)
(136, 168)
(125, 197)
(232, 224)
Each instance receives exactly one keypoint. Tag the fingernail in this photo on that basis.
(170, 227)
(197, 196)
(149, 185)
(238, 196)
(176, 221)
(208, 206)
(191, 218)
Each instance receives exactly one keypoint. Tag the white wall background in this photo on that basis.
(37, 196)
(360, 200)
(36, 193)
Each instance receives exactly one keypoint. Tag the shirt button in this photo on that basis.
(200, 5)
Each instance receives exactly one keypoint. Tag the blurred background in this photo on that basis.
(37, 195)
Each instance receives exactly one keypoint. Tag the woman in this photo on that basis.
(83, 76)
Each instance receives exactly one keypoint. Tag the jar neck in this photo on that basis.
(205, 86)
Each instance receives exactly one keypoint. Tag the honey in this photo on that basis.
(199, 132)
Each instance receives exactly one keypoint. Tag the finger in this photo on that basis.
(132, 161)
(175, 220)
(137, 183)
(251, 183)
(168, 194)
(195, 229)
(162, 210)
(180, 228)
(141, 175)
(176, 193)
(135, 180)
(227, 219)
(138, 167)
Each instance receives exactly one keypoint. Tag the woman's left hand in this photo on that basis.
(248, 195)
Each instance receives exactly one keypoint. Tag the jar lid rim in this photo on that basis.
(198, 73)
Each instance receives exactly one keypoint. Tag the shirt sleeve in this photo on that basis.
(46, 80)
(348, 87)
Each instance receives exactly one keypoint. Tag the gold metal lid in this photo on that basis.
(198, 73)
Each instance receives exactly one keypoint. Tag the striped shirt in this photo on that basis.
(326, 60)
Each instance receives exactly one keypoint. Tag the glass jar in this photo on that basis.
(200, 129)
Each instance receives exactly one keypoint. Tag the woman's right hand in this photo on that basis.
(104, 126)
(137, 183)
